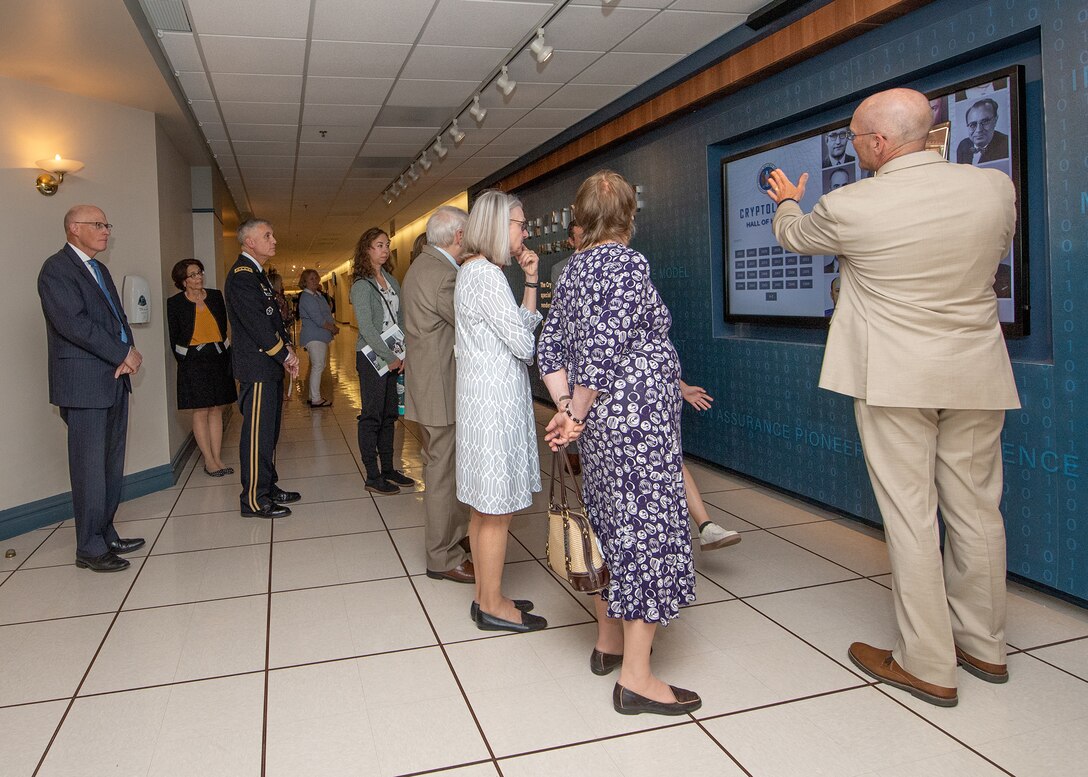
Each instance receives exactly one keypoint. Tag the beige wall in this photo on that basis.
(123, 154)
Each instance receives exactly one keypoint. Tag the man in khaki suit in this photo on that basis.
(429, 382)
(915, 339)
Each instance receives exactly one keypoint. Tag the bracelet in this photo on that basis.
(531, 285)
(570, 415)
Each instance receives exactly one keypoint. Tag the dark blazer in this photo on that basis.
(181, 318)
(828, 162)
(258, 336)
(998, 149)
(83, 334)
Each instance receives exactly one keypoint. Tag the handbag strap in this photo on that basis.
(560, 470)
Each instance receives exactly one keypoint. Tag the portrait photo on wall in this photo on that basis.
(981, 125)
(837, 177)
(837, 148)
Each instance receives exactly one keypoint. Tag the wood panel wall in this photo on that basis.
(824, 28)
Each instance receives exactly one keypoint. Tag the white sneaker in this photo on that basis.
(712, 536)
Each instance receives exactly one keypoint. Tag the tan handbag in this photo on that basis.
(573, 552)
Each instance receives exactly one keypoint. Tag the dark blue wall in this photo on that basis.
(770, 421)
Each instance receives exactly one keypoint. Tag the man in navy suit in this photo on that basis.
(91, 356)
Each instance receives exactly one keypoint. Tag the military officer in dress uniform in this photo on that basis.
(261, 354)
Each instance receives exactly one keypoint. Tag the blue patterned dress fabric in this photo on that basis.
(609, 328)
(498, 466)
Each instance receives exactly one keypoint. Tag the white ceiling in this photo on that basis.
(313, 108)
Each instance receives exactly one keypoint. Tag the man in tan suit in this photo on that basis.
(915, 339)
(430, 380)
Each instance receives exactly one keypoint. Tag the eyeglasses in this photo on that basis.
(984, 123)
(850, 134)
(95, 224)
(838, 135)
(195, 274)
(521, 224)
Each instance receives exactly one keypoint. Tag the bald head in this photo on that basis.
(79, 213)
(893, 123)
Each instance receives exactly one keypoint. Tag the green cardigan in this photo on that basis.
(370, 313)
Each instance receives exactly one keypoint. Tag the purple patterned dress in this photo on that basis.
(610, 329)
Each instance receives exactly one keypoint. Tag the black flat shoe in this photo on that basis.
(121, 545)
(529, 622)
(523, 605)
(271, 510)
(107, 562)
(628, 702)
(218, 473)
(603, 663)
(398, 478)
(380, 485)
(282, 497)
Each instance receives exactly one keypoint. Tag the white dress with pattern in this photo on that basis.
(498, 467)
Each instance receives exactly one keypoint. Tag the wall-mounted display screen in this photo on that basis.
(979, 123)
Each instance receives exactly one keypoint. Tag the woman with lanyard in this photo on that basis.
(375, 295)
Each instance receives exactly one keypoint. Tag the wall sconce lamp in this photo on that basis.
(50, 181)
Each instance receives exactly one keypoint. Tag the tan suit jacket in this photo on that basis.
(916, 322)
(430, 378)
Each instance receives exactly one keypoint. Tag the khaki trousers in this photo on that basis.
(447, 519)
(920, 460)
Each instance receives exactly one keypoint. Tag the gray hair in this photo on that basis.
(488, 230)
(442, 226)
(248, 226)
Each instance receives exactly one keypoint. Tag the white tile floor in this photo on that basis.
(315, 645)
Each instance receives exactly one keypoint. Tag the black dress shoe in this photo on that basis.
(380, 485)
(628, 702)
(270, 510)
(523, 605)
(398, 478)
(603, 663)
(121, 545)
(282, 497)
(529, 622)
(107, 562)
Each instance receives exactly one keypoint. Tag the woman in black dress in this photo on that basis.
(197, 319)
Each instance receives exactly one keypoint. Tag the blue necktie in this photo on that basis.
(109, 299)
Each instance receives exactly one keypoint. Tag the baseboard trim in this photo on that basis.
(43, 512)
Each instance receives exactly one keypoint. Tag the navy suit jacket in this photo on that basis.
(258, 335)
(83, 334)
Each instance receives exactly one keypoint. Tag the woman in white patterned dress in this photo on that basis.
(498, 466)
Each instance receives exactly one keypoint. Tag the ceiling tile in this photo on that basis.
(621, 67)
(595, 28)
(258, 172)
(416, 135)
(350, 91)
(681, 32)
(363, 60)
(281, 161)
(482, 23)
(554, 117)
(562, 67)
(584, 96)
(260, 113)
(257, 88)
(205, 110)
(213, 130)
(390, 21)
(181, 50)
(644, 3)
(406, 150)
(340, 163)
(406, 116)
(263, 147)
(339, 115)
(195, 85)
(462, 63)
(723, 6)
(221, 148)
(420, 93)
(241, 131)
(334, 134)
(483, 165)
(525, 95)
(327, 148)
(262, 56)
(497, 118)
(271, 18)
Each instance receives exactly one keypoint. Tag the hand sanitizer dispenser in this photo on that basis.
(136, 297)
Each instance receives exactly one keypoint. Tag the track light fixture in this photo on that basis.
(477, 112)
(403, 183)
(456, 135)
(424, 162)
(387, 197)
(505, 83)
(412, 173)
(541, 50)
(440, 151)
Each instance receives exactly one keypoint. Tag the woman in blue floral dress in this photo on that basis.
(607, 361)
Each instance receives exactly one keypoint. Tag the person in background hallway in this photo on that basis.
(318, 328)
(922, 355)
(498, 467)
(712, 536)
(91, 356)
(197, 322)
(430, 383)
(608, 363)
(262, 352)
(375, 295)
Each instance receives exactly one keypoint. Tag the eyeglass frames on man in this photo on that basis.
(95, 224)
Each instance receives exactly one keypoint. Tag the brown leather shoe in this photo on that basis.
(880, 665)
(983, 670)
(461, 574)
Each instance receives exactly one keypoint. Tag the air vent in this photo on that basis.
(166, 15)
